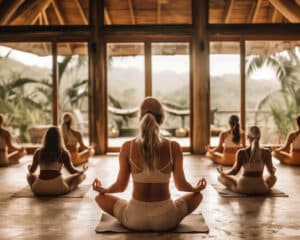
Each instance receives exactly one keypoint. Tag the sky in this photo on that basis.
(220, 64)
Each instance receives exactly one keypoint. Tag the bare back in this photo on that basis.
(150, 191)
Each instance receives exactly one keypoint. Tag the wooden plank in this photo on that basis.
(256, 11)
(81, 12)
(228, 10)
(148, 69)
(45, 17)
(200, 86)
(54, 84)
(158, 12)
(131, 11)
(107, 16)
(29, 11)
(58, 12)
(8, 9)
(289, 9)
(243, 86)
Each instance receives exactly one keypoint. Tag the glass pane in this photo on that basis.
(62, 12)
(171, 85)
(73, 84)
(244, 11)
(26, 89)
(126, 90)
(148, 12)
(272, 88)
(224, 63)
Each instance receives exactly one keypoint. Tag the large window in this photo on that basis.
(171, 85)
(26, 89)
(272, 87)
(224, 85)
(126, 90)
(73, 83)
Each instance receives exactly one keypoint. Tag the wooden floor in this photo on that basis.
(255, 218)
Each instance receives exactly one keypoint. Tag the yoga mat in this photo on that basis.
(226, 193)
(79, 192)
(193, 223)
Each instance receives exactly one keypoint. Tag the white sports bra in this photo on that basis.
(257, 166)
(228, 143)
(155, 176)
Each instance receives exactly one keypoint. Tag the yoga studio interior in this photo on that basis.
(149, 119)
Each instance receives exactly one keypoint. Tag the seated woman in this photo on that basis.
(289, 153)
(229, 143)
(252, 161)
(72, 138)
(9, 153)
(150, 160)
(51, 157)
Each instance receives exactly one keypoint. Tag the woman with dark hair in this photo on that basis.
(230, 142)
(72, 138)
(9, 152)
(252, 161)
(150, 159)
(289, 153)
(51, 157)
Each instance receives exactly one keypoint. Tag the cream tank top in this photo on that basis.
(70, 139)
(228, 143)
(155, 176)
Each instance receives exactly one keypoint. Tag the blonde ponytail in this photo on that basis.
(255, 154)
(66, 125)
(150, 140)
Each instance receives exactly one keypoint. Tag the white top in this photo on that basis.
(228, 143)
(255, 166)
(70, 139)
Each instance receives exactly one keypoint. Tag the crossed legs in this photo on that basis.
(285, 158)
(107, 202)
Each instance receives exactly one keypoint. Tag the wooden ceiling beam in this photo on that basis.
(228, 10)
(131, 10)
(29, 11)
(256, 11)
(81, 11)
(58, 13)
(107, 16)
(45, 17)
(158, 12)
(8, 9)
(289, 9)
(273, 15)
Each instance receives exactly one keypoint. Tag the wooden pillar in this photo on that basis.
(98, 81)
(54, 84)
(148, 69)
(200, 68)
(243, 85)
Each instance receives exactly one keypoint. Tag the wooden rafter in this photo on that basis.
(158, 11)
(107, 16)
(30, 10)
(58, 13)
(289, 9)
(131, 10)
(8, 9)
(298, 2)
(61, 19)
(256, 11)
(273, 15)
(228, 10)
(45, 17)
(81, 11)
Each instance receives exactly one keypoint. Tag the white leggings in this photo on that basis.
(151, 216)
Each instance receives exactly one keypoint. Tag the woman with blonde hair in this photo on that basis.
(252, 161)
(150, 159)
(51, 157)
(9, 152)
(72, 138)
(230, 142)
(289, 153)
